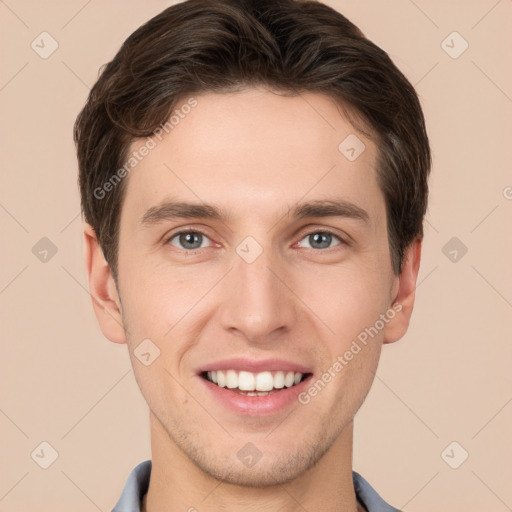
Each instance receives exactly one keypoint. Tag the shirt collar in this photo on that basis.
(137, 486)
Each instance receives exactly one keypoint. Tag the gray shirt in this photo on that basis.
(137, 485)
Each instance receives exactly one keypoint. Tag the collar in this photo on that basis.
(137, 485)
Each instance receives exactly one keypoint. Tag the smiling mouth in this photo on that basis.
(254, 384)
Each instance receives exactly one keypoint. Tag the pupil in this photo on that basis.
(188, 239)
(318, 237)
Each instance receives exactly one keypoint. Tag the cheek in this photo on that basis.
(360, 373)
(167, 310)
(158, 386)
(155, 301)
(336, 395)
(347, 300)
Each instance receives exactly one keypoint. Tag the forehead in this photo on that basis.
(256, 151)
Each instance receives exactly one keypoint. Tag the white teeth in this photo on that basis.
(259, 382)
(231, 379)
(246, 381)
(289, 379)
(279, 380)
(264, 381)
(221, 379)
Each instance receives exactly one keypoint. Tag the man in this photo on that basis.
(254, 181)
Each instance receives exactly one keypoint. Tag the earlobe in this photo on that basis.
(105, 299)
(403, 299)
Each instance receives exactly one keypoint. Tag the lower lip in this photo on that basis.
(257, 405)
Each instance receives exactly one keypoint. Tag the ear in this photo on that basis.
(403, 293)
(105, 299)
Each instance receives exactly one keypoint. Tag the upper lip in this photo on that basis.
(254, 366)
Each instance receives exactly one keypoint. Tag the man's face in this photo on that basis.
(258, 284)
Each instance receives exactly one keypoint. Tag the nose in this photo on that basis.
(257, 299)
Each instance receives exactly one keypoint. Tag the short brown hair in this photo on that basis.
(292, 46)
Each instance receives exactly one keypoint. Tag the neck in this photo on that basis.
(177, 484)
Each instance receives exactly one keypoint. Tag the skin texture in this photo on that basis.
(255, 154)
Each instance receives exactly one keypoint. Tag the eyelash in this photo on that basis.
(186, 231)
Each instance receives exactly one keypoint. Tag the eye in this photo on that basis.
(189, 240)
(321, 239)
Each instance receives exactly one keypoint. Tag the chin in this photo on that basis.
(270, 470)
(262, 475)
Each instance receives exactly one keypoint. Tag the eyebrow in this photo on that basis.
(170, 210)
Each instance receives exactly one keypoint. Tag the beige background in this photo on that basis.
(447, 380)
